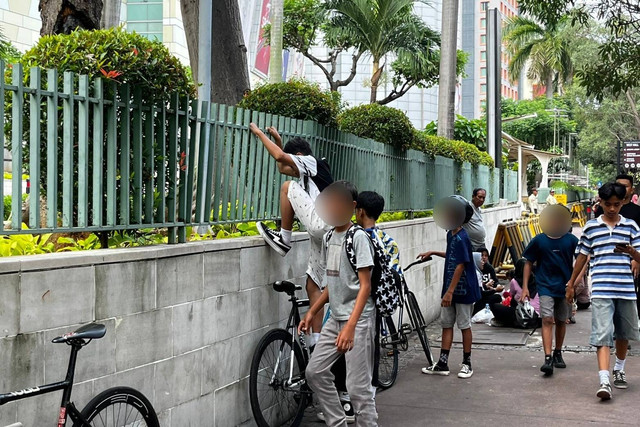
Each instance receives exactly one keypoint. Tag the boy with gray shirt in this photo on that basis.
(351, 328)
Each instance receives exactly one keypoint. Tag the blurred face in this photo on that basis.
(611, 207)
(555, 221)
(535, 192)
(335, 206)
(478, 199)
(449, 213)
(485, 257)
(627, 186)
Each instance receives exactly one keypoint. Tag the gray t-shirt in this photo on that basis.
(341, 279)
(475, 229)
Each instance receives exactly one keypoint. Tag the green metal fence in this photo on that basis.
(104, 158)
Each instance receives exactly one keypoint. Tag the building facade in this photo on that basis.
(474, 42)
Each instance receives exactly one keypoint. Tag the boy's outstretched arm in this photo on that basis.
(431, 253)
(344, 342)
(577, 269)
(286, 166)
(448, 296)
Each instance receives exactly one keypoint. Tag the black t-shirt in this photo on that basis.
(630, 211)
(489, 273)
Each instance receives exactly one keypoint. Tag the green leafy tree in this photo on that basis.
(619, 53)
(470, 131)
(545, 49)
(8, 53)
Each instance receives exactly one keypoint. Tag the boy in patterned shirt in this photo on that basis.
(368, 209)
(612, 241)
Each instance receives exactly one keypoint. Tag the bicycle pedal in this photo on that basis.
(406, 329)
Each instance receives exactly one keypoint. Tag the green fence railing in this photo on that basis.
(102, 157)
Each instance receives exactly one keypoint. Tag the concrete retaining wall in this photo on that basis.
(182, 320)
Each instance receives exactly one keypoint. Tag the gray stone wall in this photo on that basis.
(182, 320)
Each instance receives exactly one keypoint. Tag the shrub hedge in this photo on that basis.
(298, 99)
(378, 122)
(457, 150)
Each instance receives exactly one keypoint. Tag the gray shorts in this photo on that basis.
(556, 307)
(456, 313)
(613, 317)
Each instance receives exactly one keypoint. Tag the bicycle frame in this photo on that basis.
(67, 408)
(292, 326)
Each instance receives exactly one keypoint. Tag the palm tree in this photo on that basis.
(545, 48)
(378, 27)
(275, 56)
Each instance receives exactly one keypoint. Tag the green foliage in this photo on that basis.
(378, 122)
(470, 131)
(7, 205)
(116, 54)
(25, 244)
(298, 99)
(457, 150)
(401, 216)
(8, 52)
(72, 245)
(135, 238)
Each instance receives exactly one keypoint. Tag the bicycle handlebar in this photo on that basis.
(420, 261)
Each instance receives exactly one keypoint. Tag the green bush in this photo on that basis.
(378, 122)
(471, 131)
(457, 150)
(297, 99)
(116, 55)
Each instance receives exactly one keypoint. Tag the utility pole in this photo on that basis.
(494, 84)
(275, 57)
(448, 76)
(204, 50)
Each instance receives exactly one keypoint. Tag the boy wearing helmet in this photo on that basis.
(460, 285)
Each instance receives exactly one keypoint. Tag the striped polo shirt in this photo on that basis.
(611, 275)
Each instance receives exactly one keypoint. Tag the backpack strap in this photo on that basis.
(348, 245)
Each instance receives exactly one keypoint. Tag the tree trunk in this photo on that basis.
(275, 57)
(634, 110)
(229, 70)
(549, 86)
(448, 75)
(375, 80)
(111, 13)
(64, 16)
(189, 9)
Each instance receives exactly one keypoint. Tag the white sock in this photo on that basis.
(604, 376)
(619, 364)
(286, 236)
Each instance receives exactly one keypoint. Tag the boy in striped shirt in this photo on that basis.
(612, 241)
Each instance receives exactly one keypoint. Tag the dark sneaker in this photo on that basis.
(547, 366)
(619, 379)
(348, 412)
(604, 391)
(273, 239)
(558, 361)
(465, 371)
(436, 370)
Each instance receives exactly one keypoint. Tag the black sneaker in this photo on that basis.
(547, 366)
(619, 379)
(558, 361)
(345, 401)
(273, 239)
(604, 391)
(436, 369)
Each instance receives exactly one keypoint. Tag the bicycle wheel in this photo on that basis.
(274, 402)
(388, 363)
(419, 325)
(120, 407)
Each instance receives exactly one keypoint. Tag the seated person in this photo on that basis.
(489, 278)
(506, 315)
(490, 287)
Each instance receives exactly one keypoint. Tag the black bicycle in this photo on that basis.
(115, 407)
(278, 390)
(392, 339)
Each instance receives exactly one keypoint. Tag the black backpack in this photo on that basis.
(385, 281)
(323, 177)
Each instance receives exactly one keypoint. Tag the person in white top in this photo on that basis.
(551, 199)
(297, 199)
(533, 201)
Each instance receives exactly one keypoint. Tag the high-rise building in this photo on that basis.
(474, 42)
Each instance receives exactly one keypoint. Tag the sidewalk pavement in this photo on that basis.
(507, 387)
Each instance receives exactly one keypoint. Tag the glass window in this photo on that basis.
(483, 55)
(483, 88)
(483, 23)
(483, 71)
(484, 5)
(483, 39)
(145, 17)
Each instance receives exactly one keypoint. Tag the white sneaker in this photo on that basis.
(465, 371)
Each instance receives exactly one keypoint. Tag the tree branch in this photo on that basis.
(395, 94)
(634, 110)
(354, 68)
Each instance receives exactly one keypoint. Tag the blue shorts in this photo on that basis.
(613, 317)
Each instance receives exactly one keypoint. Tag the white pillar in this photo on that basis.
(521, 168)
(544, 162)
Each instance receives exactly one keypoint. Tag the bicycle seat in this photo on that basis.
(286, 287)
(86, 332)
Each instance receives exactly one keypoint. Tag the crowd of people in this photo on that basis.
(544, 289)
